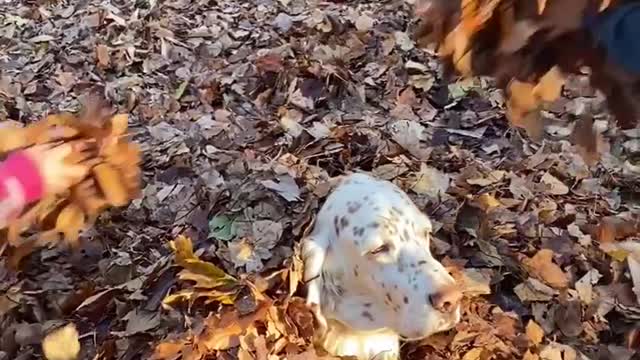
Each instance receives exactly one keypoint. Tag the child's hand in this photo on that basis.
(58, 171)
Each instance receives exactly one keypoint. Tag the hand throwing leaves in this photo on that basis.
(62, 165)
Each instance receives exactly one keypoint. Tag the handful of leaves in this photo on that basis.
(113, 181)
(529, 47)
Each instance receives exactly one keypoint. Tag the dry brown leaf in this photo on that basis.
(541, 266)
(554, 185)
(587, 140)
(270, 63)
(407, 97)
(102, 53)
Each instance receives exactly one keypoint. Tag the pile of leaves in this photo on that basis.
(529, 47)
(113, 180)
(245, 112)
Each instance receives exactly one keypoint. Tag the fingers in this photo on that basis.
(61, 132)
(76, 173)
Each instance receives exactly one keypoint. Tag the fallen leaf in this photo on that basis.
(285, 187)
(102, 53)
(554, 185)
(534, 332)
(62, 343)
(541, 266)
(584, 286)
(364, 23)
(290, 121)
(430, 181)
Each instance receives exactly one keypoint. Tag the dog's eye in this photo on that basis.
(382, 249)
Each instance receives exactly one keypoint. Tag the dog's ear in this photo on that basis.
(313, 255)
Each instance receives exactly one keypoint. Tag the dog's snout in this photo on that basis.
(447, 299)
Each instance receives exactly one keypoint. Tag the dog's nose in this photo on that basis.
(447, 299)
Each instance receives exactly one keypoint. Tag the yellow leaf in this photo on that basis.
(488, 202)
(534, 332)
(187, 259)
(618, 255)
(210, 281)
(473, 354)
(62, 344)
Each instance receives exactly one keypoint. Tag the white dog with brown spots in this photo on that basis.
(371, 277)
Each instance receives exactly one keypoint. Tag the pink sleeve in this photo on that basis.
(20, 184)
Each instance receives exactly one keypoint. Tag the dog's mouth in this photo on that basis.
(444, 324)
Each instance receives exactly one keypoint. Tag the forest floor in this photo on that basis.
(245, 110)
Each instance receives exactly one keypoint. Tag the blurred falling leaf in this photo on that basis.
(62, 343)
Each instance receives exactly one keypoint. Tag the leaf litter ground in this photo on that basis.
(246, 112)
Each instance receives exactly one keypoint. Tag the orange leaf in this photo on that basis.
(612, 228)
(542, 267)
(549, 87)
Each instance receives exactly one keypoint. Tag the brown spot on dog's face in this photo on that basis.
(355, 272)
(405, 235)
(374, 225)
(368, 315)
(406, 300)
(353, 207)
(388, 296)
(344, 222)
(358, 231)
(397, 211)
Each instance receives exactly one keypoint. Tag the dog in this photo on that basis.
(370, 275)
